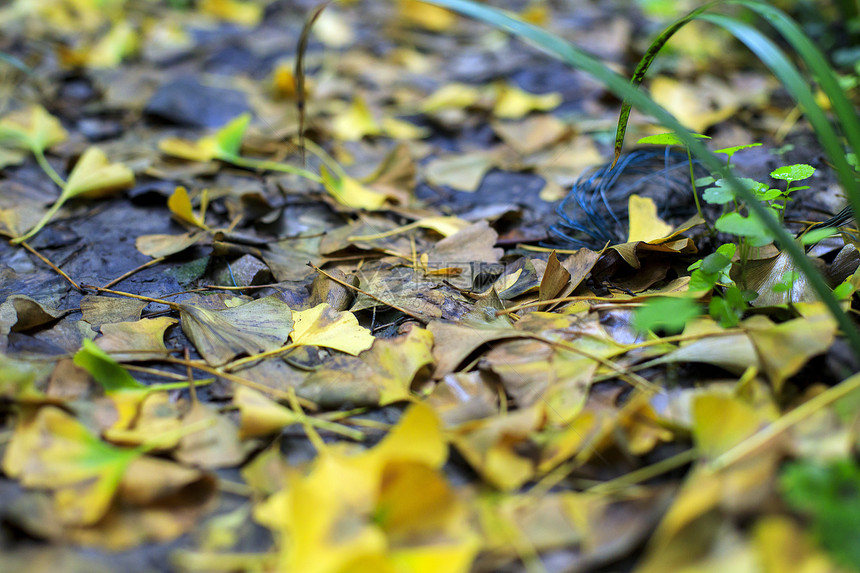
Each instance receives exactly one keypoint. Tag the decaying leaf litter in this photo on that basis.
(217, 357)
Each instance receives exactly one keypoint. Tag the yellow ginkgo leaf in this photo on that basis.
(324, 326)
(31, 128)
(94, 176)
(244, 13)
(514, 103)
(645, 225)
(355, 122)
(224, 144)
(349, 192)
(451, 96)
(425, 15)
(400, 129)
(120, 42)
(180, 205)
(201, 150)
(445, 226)
(386, 509)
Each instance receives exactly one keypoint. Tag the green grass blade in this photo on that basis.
(621, 87)
(642, 69)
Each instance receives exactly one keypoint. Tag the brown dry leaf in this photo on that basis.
(463, 172)
(379, 376)
(474, 244)
(418, 293)
(139, 340)
(535, 374)
(531, 134)
(215, 446)
(590, 528)
(555, 281)
(783, 349)
(464, 396)
(288, 259)
(20, 313)
(455, 342)
(221, 335)
(734, 352)
(99, 310)
(157, 501)
(761, 275)
(157, 246)
(499, 448)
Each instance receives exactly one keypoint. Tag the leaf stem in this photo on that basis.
(249, 163)
(46, 167)
(49, 214)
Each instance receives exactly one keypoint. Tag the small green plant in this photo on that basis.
(829, 495)
(669, 314)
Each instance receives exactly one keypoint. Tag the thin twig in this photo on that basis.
(133, 271)
(56, 269)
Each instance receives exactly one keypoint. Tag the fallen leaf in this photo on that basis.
(180, 206)
(221, 335)
(324, 326)
(350, 192)
(52, 450)
(140, 340)
(32, 129)
(514, 103)
(215, 446)
(462, 172)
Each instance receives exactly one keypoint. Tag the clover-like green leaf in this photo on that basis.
(791, 173)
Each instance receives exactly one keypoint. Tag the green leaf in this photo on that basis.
(816, 235)
(668, 139)
(830, 495)
(228, 139)
(716, 263)
(720, 194)
(105, 370)
(665, 313)
(730, 151)
(737, 224)
(728, 309)
(797, 172)
(786, 282)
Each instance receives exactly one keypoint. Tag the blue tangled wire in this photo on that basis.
(594, 213)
